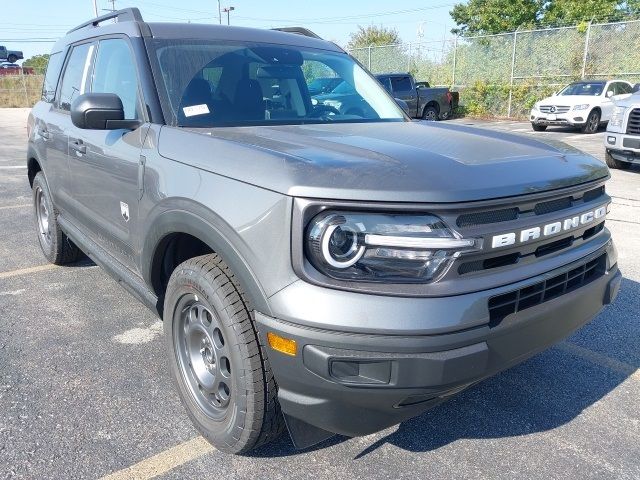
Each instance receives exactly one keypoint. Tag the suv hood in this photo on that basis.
(395, 162)
(572, 100)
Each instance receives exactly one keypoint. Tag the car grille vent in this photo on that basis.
(481, 218)
(633, 125)
(593, 194)
(553, 206)
(502, 305)
(558, 109)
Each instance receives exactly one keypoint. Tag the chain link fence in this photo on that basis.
(20, 90)
(504, 75)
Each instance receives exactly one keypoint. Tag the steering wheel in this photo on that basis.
(322, 109)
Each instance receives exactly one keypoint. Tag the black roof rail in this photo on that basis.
(298, 30)
(125, 15)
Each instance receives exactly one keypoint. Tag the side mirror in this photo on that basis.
(100, 111)
(610, 94)
(403, 105)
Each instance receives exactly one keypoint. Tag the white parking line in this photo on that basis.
(22, 205)
(164, 461)
(11, 167)
(24, 271)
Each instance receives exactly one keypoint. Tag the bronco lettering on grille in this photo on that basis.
(565, 225)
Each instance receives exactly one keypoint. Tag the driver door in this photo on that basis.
(105, 164)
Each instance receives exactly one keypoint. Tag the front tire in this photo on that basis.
(12, 59)
(593, 122)
(613, 163)
(222, 373)
(538, 128)
(55, 245)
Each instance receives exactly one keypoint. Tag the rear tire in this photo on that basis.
(222, 373)
(55, 245)
(593, 122)
(538, 128)
(12, 59)
(430, 113)
(613, 163)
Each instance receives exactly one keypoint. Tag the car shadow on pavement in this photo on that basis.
(544, 393)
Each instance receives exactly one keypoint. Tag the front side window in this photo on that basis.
(76, 74)
(115, 72)
(586, 88)
(206, 83)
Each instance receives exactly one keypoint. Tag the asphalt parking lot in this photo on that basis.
(85, 392)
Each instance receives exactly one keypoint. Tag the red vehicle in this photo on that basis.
(7, 68)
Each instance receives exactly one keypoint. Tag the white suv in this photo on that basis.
(585, 104)
(622, 141)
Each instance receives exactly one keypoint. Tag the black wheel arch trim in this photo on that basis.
(201, 223)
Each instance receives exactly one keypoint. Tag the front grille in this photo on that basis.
(559, 108)
(513, 258)
(509, 214)
(633, 124)
(502, 305)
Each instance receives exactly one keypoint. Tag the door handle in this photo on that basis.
(79, 146)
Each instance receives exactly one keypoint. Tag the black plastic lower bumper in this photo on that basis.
(357, 384)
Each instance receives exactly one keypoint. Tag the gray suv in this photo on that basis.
(334, 273)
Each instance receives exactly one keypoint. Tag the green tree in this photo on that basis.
(494, 16)
(478, 17)
(38, 62)
(373, 35)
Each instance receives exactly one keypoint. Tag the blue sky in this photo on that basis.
(29, 25)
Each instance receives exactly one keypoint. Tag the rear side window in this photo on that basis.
(74, 80)
(400, 84)
(115, 72)
(51, 78)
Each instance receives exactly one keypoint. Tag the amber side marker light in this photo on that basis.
(281, 344)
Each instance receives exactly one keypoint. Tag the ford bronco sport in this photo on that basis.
(332, 273)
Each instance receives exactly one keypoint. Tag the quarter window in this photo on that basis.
(115, 72)
(74, 81)
(51, 78)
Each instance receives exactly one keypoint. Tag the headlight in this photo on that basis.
(617, 117)
(393, 248)
(583, 106)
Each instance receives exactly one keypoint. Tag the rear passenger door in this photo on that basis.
(402, 87)
(106, 165)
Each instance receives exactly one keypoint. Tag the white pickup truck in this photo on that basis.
(586, 105)
(622, 141)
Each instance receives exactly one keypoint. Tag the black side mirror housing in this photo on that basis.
(100, 111)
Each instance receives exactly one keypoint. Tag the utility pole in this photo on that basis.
(219, 13)
(95, 7)
(228, 10)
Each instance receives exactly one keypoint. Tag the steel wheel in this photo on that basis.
(42, 215)
(203, 356)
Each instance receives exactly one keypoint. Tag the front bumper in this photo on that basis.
(623, 147)
(571, 118)
(357, 383)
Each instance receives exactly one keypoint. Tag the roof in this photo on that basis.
(224, 32)
(130, 22)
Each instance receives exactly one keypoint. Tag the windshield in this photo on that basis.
(343, 88)
(592, 89)
(214, 83)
